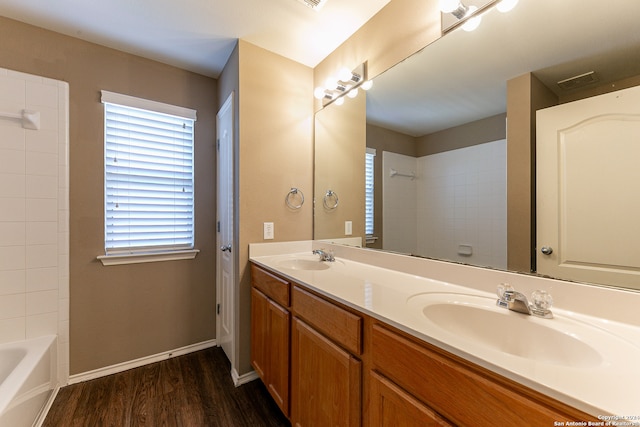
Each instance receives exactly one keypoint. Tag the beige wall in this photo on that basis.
(122, 313)
(340, 142)
(600, 89)
(477, 132)
(275, 154)
(525, 95)
(383, 139)
(398, 30)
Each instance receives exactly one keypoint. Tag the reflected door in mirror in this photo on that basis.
(588, 183)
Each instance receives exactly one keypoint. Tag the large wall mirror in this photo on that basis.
(437, 121)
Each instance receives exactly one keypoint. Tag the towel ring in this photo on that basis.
(330, 195)
(294, 192)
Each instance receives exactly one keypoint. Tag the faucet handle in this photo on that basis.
(502, 288)
(542, 301)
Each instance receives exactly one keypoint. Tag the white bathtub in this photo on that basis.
(28, 377)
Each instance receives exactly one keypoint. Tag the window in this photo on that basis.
(148, 180)
(368, 187)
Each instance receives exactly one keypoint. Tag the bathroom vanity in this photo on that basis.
(355, 343)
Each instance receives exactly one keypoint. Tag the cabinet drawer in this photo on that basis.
(391, 406)
(465, 394)
(273, 286)
(343, 327)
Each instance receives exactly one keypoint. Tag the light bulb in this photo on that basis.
(473, 22)
(330, 83)
(353, 93)
(448, 6)
(367, 85)
(340, 101)
(506, 5)
(318, 92)
(344, 75)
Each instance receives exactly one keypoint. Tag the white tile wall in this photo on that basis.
(34, 213)
(399, 209)
(458, 198)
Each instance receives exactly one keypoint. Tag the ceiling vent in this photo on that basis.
(314, 4)
(578, 81)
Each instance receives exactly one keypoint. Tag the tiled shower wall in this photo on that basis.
(400, 204)
(34, 213)
(457, 202)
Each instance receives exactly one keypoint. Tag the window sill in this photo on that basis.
(120, 259)
(370, 239)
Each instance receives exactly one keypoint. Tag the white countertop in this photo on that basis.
(382, 285)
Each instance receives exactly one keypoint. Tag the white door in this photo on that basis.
(225, 259)
(588, 189)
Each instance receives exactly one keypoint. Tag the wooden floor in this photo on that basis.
(191, 390)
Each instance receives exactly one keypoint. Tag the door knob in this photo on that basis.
(226, 248)
(546, 250)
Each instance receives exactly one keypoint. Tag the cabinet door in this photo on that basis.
(277, 378)
(390, 406)
(464, 393)
(326, 381)
(259, 332)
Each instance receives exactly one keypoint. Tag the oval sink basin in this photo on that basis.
(474, 319)
(303, 264)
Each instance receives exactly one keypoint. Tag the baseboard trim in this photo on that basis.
(238, 380)
(45, 409)
(125, 366)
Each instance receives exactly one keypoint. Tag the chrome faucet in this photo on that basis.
(324, 255)
(516, 301)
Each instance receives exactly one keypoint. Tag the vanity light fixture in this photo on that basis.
(346, 83)
(454, 7)
(469, 17)
(457, 8)
(473, 21)
(367, 85)
(314, 4)
(506, 5)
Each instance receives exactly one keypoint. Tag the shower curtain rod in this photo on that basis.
(393, 172)
(30, 119)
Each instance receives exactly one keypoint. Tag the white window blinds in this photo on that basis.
(149, 183)
(368, 186)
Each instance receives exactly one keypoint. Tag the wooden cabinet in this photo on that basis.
(270, 336)
(391, 406)
(330, 365)
(344, 327)
(462, 392)
(259, 331)
(326, 377)
(325, 382)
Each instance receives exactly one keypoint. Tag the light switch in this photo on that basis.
(268, 231)
(348, 228)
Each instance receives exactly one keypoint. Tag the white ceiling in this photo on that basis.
(199, 35)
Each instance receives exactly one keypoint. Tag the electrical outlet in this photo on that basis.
(348, 228)
(268, 231)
